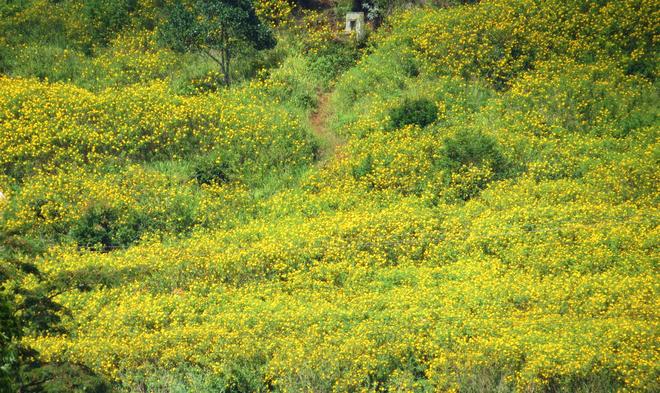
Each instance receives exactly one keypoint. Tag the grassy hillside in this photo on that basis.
(486, 220)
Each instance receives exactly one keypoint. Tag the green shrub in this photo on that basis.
(473, 148)
(211, 169)
(107, 17)
(96, 227)
(421, 112)
(470, 160)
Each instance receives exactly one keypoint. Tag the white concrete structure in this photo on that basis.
(355, 24)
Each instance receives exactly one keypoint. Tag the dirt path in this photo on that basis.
(330, 141)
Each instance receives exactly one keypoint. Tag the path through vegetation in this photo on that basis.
(330, 141)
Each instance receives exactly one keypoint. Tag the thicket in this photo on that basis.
(421, 112)
(144, 123)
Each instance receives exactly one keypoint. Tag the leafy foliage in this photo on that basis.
(421, 112)
(216, 28)
(471, 148)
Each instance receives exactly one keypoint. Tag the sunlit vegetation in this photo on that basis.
(489, 224)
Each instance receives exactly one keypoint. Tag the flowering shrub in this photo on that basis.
(45, 126)
(464, 41)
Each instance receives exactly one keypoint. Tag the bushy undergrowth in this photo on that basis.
(421, 112)
(499, 234)
(45, 126)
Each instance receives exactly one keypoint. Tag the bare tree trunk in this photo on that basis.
(223, 59)
(222, 62)
(227, 69)
(226, 58)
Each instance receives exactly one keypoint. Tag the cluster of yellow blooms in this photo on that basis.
(134, 57)
(45, 126)
(277, 13)
(501, 39)
(385, 269)
(562, 291)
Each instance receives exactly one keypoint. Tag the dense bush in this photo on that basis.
(421, 112)
(211, 169)
(144, 123)
(98, 226)
(473, 148)
(107, 17)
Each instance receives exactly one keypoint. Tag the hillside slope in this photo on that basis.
(491, 223)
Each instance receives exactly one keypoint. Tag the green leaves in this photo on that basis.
(472, 148)
(421, 112)
(216, 28)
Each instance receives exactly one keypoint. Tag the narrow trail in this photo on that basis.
(330, 142)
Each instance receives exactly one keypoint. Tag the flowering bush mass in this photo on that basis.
(466, 201)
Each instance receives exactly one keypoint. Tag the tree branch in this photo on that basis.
(209, 54)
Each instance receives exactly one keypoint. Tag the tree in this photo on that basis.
(8, 352)
(217, 28)
(35, 311)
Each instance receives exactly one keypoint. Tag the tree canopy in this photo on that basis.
(216, 28)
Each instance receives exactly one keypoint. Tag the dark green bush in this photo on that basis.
(98, 227)
(473, 148)
(211, 169)
(104, 228)
(470, 161)
(421, 112)
(107, 17)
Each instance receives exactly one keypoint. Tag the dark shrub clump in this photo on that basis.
(476, 149)
(421, 112)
